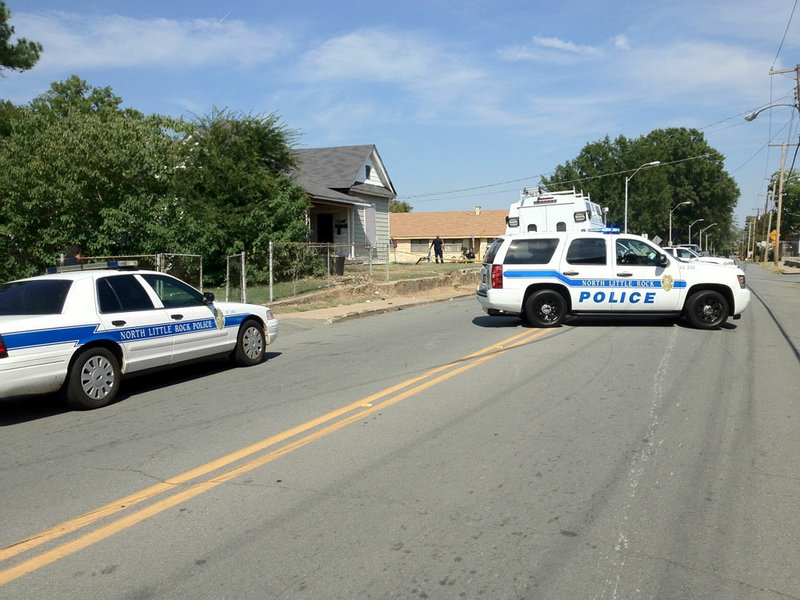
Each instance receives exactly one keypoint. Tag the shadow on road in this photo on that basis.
(21, 409)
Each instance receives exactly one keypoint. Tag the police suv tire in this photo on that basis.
(93, 380)
(545, 308)
(707, 309)
(250, 344)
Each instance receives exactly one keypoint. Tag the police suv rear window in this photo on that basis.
(492, 251)
(587, 251)
(531, 252)
(37, 297)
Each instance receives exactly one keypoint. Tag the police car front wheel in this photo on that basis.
(250, 344)
(93, 379)
(707, 309)
(545, 308)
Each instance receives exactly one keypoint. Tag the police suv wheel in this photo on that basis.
(545, 308)
(250, 344)
(707, 309)
(93, 379)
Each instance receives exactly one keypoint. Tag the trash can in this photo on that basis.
(338, 266)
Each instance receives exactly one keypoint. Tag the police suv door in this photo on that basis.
(642, 282)
(586, 268)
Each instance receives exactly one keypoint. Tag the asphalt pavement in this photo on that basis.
(780, 290)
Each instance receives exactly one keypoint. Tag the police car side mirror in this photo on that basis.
(208, 297)
(663, 261)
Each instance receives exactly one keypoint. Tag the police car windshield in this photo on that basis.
(34, 297)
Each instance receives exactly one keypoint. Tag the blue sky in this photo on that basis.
(479, 95)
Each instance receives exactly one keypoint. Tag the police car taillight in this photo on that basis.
(497, 277)
(741, 281)
(3, 349)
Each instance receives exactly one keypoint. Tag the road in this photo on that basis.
(431, 452)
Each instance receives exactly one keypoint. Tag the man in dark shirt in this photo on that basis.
(437, 244)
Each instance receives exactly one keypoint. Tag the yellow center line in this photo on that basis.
(367, 405)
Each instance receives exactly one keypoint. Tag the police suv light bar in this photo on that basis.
(109, 264)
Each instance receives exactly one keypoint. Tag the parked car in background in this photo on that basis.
(687, 254)
(81, 328)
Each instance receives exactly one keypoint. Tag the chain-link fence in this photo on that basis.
(289, 269)
(188, 267)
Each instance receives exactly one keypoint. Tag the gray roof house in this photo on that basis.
(350, 191)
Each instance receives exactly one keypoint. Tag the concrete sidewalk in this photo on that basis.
(378, 305)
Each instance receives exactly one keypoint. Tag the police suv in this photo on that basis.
(81, 328)
(544, 277)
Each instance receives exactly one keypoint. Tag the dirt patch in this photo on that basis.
(353, 290)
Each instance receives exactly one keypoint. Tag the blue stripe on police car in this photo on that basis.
(589, 282)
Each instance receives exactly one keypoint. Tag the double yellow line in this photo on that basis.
(287, 441)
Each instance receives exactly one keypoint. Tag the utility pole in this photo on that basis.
(752, 231)
(768, 210)
(783, 158)
(780, 207)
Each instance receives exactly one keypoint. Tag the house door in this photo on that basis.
(325, 228)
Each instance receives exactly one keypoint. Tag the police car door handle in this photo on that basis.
(625, 274)
(118, 323)
(177, 317)
(570, 273)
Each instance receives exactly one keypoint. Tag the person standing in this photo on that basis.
(438, 246)
(74, 256)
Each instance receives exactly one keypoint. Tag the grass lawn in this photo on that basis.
(358, 273)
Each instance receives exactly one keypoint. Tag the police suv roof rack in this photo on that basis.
(109, 264)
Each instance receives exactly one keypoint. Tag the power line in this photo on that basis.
(783, 39)
(568, 182)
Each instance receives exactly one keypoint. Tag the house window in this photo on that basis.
(420, 245)
(368, 169)
(453, 246)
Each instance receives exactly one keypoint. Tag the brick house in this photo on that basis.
(413, 232)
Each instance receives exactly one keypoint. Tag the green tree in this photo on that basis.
(8, 113)
(75, 95)
(399, 206)
(235, 192)
(77, 172)
(16, 57)
(689, 170)
(790, 209)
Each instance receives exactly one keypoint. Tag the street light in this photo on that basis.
(701, 236)
(690, 229)
(670, 218)
(751, 117)
(655, 163)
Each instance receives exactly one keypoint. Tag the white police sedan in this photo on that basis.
(81, 328)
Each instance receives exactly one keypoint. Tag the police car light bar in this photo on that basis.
(109, 264)
(605, 229)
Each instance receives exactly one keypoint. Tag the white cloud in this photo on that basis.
(565, 46)
(621, 42)
(702, 68)
(411, 64)
(549, 50)
(73, 42)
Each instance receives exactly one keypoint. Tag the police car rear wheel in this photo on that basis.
(250, 344)
(707, 309)
(545, 308)
(93, 379)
